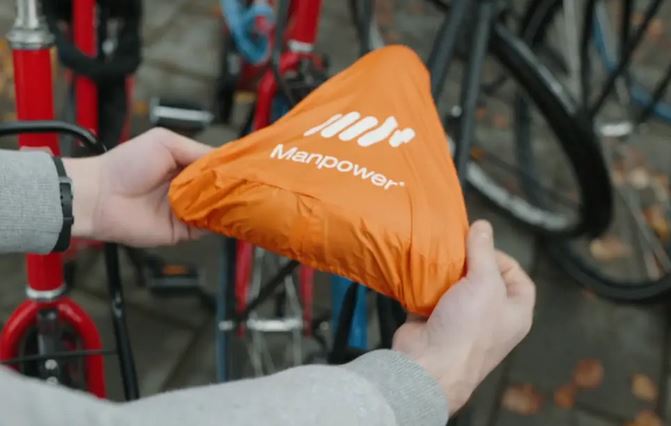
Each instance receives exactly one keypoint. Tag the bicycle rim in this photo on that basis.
(631, 260)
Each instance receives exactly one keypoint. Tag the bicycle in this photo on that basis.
(630, 261)
(255, 59)
(587, 212)
(50, 336)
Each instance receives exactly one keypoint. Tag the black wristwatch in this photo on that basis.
(65, 186)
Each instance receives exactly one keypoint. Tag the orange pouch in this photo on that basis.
(356, 180)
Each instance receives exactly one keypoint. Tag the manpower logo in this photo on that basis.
(348, 127)
(325, 162)
(365, 130)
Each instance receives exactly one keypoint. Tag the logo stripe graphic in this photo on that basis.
(358, 129)
(379, 134)
(321, 126)
(340, 125)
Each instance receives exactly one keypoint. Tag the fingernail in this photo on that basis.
(484, 228)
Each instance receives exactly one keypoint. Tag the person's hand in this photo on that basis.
(476, 323)
(121, 196)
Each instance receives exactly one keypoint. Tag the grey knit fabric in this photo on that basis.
(30, 206)
(381, 388)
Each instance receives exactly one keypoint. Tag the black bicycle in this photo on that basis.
(611, 62)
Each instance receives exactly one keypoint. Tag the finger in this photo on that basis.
(183, 150)
(519, 285)
(482, 266)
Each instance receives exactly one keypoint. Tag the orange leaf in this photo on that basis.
(643, 387)
(646, 418)
(565, 396)
(639, 177)
(522, 399)
(658, 221)
(588, 374)
(656, 29)
(500, 121)
(480, 113)
(140, 108)
(608, 248)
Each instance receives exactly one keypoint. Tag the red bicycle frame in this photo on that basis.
(301, 35)
(31, 44)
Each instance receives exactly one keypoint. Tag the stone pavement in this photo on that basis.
(173, 339)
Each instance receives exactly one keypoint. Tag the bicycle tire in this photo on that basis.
(537, 20)
(574, 133)
(576, 138)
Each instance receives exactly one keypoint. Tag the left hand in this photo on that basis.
(121, 196)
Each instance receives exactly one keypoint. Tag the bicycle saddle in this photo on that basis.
(356, 180)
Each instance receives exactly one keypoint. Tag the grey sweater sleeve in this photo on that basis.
(30, 206)
(380, 388)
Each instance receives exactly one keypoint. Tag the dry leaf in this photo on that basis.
(656, 29)
(215, 10)
(480, 113)
(608, 248)
(478, 153)
(617, 176)
(588, 374)
(660, 187)
(522, 399)
(646, 418)
(639, 177)
(658, 222)
(565, 396)
(644, 388)
(500, 121)
(589, 294)
(140, 108)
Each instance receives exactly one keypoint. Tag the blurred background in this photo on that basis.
(598, 354)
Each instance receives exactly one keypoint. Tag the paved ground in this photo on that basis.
(606, 348)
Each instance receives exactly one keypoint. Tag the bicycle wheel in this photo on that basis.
(572, 195)
(631, 261)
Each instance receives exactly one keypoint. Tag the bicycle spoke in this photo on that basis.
(624, 59)
(503, 165)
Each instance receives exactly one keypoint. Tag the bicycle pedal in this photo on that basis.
(171, 279)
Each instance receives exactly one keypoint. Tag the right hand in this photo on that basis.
(476, 323)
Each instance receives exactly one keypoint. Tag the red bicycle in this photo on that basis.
(50, 336)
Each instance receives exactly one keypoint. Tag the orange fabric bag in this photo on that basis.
(356, 180)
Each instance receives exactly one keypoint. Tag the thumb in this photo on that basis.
(481, 253)
(184, 150)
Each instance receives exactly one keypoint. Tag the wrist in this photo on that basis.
(84, 173)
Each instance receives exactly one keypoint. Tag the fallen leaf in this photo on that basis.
(656, 29)
(639, 178)
(588, 373)
(477, 153)
(660, 187)
(658, 222)
(589, 294)
(140, 108)
(500, 121)
(646, 418)
(617, 175)
(565, 396)
(416, 7)
(608, 248)
(480, 113)
(644, 388)
(522, 399)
